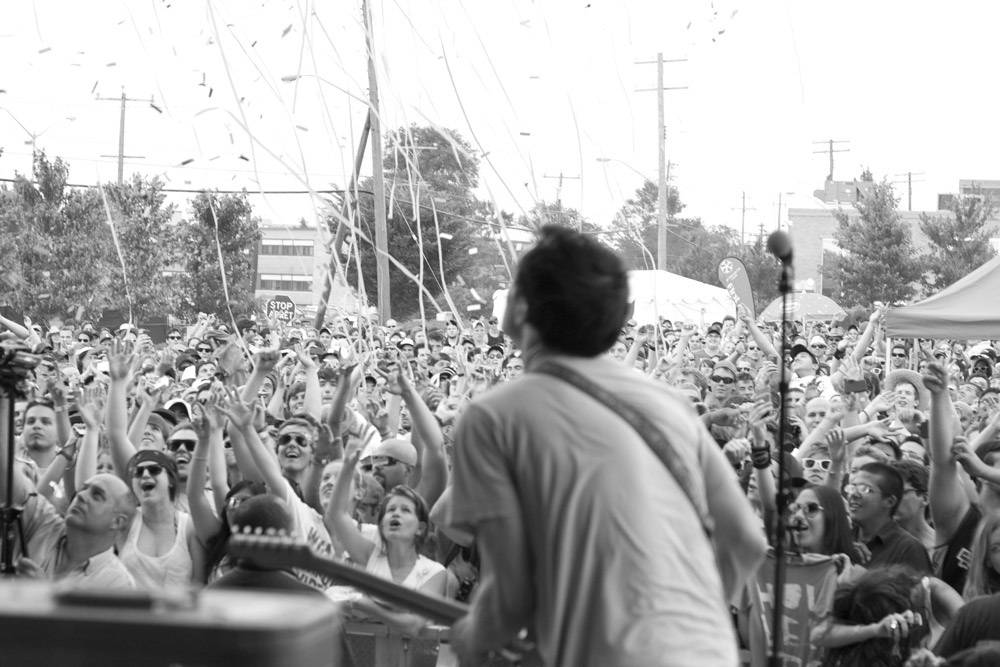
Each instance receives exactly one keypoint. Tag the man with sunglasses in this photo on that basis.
(722, 385)
(873, 496)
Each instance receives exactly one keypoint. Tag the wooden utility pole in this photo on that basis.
(378, 178)
(121, 131)
(831, 150)
(338, 239)
(909, 187)
(661, 139)
(743, 218)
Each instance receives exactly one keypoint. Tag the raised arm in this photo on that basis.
(948, 501)
(865, 339)
(338, 517)
(241, 419)
(86, 458)
(116, 414)
(313, 398)
(427, 436)
(763, 342)
(207, 423)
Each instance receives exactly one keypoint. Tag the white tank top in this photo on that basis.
(169, 571)
(423, 569)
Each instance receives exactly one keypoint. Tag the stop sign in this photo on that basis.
(281, 307)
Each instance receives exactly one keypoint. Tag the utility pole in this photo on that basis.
(779, 207)
(661, 138)
(560, 177)
(378, 178)
(743, 218)
(121, 131)
(831, 150)
(909, 186)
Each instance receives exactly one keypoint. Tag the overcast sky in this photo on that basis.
(543, 88)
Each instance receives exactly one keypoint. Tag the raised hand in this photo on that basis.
(207, 418)
(936, 378)
(265, 361)
(120, 361)
(881, 403)
(239, 413)
(837, 444)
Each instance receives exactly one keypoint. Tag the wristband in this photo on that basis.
(761, 458)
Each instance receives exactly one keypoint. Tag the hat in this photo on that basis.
(154, 456)
(836, 331)
(126, 327)
(157, 421)
(714, 330)
(397, 448)
(799, 349)
(725, 365)
(169, 417)
(244, 323)
(405, 341)
(449, 371)
(391, 323)
(817, 340)
(913, 378)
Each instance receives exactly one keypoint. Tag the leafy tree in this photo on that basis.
(957, 244)
(878, 262)
(635, 227)
(430, 178)
(239, 236)
(54, 245)
(149, 243)
(546, 213)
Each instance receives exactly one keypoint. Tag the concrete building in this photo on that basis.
(293, 261)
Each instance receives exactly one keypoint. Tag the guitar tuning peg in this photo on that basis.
(258, 531)
(237, 530)
(271, 532)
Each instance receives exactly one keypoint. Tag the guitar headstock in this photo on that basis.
(275, 550)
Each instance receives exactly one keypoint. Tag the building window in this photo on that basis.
(291, 285)
(286, 247)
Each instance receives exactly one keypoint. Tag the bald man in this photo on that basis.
(80, 548)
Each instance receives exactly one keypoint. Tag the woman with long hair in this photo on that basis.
(984, 566)
(403, 524)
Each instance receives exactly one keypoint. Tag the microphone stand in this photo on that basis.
(784, 286)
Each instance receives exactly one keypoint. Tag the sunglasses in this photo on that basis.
(173, 337)
(810, 509)
(820, 345)
(384, 461)
(898, 355)
(204, 349)
(859, 489)
(822, 464)
(82, 339)
(174, 445)
(153, 470)
(719, 379)
(298, 438)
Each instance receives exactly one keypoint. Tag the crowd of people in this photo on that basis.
(384, 445)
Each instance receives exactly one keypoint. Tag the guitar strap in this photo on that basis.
(654, 437)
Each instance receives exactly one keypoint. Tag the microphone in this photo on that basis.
(779, 244)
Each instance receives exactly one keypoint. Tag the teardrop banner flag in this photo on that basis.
(733, 276)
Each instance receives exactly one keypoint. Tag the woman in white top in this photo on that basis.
(161, 550)
(403, 525)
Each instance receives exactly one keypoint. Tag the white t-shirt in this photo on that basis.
(621, 571)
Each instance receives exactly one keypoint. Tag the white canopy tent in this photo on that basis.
(659, 294)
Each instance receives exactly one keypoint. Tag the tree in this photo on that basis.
(635, 227)
(878, 262)
(239, 237)
(149, 244)
(55, 245)
(430, 178)
(957, 244)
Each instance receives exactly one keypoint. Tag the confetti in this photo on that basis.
(286, 30)
(210, 91)
(94, 88)
(187, 161)
(45, 50)
(302, 127)
(244, 158)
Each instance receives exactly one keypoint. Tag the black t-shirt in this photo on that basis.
(951, 560)
(976, 622)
